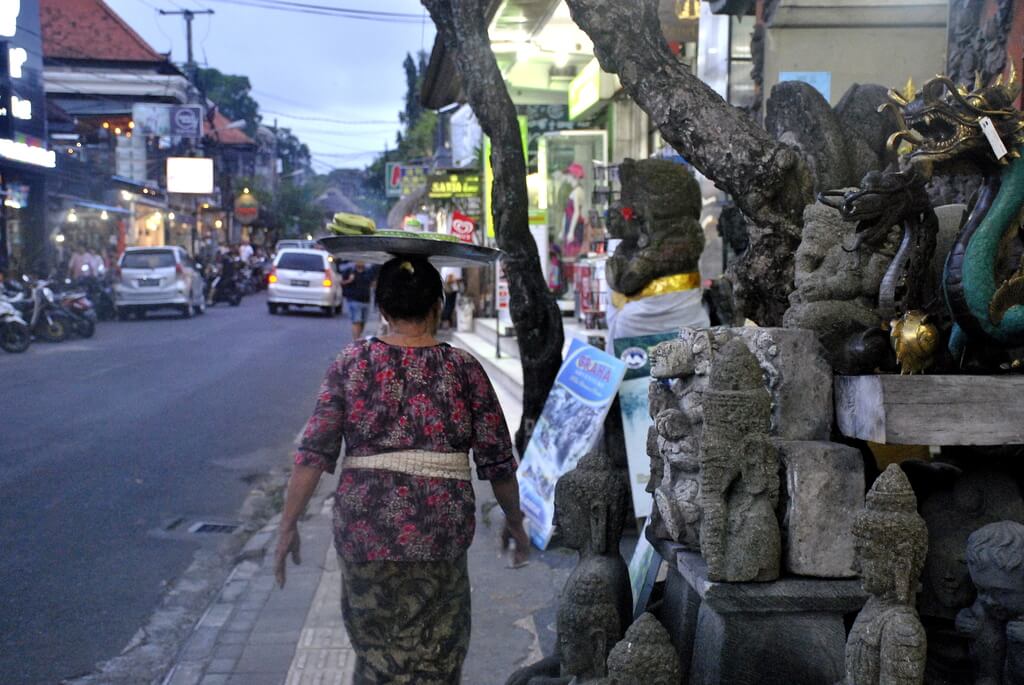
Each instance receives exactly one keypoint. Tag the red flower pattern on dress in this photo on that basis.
(381, 398)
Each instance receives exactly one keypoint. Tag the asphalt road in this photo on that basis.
(105, 441)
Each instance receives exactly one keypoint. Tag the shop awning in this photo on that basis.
(88, 204)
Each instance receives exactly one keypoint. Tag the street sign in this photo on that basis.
(393, 179)
(247, 209)
(463, 227)
(192, 175)
(450, 185)
(180, 121)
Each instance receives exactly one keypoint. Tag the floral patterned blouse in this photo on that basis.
(382, 398)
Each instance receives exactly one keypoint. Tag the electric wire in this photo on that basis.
(326, 10)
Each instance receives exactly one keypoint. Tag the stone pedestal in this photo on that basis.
(823, 489)
(788, 632)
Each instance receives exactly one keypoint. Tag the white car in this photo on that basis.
(157, 278)
(304, 277)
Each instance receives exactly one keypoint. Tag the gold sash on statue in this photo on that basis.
(660, 286)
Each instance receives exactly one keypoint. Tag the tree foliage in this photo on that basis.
(231, 94)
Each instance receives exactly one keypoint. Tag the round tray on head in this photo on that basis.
(379, 249)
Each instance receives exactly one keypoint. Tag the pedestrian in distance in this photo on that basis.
(357, 284)
(410, 410)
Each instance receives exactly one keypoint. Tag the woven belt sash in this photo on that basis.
(415, 463)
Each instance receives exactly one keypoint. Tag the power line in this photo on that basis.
(327, 10)
(329, 120)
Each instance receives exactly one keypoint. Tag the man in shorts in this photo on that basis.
(357, 285)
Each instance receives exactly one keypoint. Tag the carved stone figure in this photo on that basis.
(952, 514)
(836, 292)
(995, 623)
(679, 499)
(887, 643)
(739, 481)
(657, 219)
(596, 605)
(645, 656)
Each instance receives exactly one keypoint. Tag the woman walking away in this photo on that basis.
(410, 409)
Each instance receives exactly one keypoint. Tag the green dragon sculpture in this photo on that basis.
(941, 127)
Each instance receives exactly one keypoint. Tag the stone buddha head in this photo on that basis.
(591, 503)
(645, 655)
(995, 557)
(891, 539)
(588, 625)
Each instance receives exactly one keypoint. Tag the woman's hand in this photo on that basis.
(514, 531)
(287, 543)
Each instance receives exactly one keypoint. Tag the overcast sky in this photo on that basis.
(303, 65)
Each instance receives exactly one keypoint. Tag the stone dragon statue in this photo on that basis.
(941, 128)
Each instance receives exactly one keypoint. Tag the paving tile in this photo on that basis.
(185, 673)
(327, 666)
(290, 637)
(224, 666)
(257, 679)
(216, 616)
(324, 638)
(214, 679)
(223, 651)
(233, 637)
(200, 644)
(265, 659)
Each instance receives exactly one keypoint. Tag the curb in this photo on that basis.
(153, 649)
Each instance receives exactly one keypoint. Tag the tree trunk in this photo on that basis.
(769, 181)
(535, 314)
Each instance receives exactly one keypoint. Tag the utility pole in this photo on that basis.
(189, 15)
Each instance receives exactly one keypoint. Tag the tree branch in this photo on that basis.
(535, 314)
(769, 181)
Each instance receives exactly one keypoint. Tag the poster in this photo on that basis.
(644, 566)
(634, 353)
(568, 427)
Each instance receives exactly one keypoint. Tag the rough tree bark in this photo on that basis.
(535, 314)
(769, 181)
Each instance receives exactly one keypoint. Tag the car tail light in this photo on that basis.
(179, 270)
(272, 278)
(328, 282)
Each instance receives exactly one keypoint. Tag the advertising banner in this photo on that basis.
(634, 353)
(568, 428)
(180, 121)
(463, 227)
(192, 175)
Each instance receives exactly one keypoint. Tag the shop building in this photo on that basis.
(27, 165)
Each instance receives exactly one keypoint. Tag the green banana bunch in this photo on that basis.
(345, 223)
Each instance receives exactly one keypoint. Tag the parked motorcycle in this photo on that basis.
(15, 335)
(39, 308)
(80, 310)
(101, 293)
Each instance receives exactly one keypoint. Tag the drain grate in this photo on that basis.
(206, 527)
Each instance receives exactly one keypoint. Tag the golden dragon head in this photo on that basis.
(943, 121)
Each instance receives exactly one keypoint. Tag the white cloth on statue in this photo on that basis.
(657, 314)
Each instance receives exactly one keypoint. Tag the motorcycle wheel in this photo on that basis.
(236, 300)
(54, 331)
(85, 328)
(186, 311)
(15, 337)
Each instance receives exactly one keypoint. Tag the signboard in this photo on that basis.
(192, 175)
(393, 179)
(502, 299)
(247, 209)
(568, 428)
(450, 185)
(820, 80)
(634, 353)
(22, 98)
(590, 87)
(463, 227)
(180, 121)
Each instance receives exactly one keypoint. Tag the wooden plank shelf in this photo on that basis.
(931, 410)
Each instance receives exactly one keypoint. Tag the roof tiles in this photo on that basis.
(90, 30)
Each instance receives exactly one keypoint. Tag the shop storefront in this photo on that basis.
(25, 162)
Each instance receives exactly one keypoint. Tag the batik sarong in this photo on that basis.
(408, 621)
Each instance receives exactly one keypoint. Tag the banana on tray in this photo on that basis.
(345, 223)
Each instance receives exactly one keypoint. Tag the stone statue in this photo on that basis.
(952, 514)
(596, 605)
(657, 219)
(887, 643)
(679, 499)
(645, 656)
(654, 272)
(995, 623)
(837, 286)
(739, 480)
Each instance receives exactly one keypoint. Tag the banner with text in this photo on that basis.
(568, 428)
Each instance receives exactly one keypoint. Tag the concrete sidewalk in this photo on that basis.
(257, 634)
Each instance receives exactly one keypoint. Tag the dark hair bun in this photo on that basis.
(408, 288)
